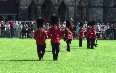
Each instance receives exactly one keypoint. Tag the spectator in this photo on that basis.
(15, 27)
(11, 28)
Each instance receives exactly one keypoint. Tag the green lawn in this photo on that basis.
(20, 56)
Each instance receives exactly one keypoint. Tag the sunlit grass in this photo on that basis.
(20, 56)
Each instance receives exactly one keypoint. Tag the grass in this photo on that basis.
(20, 56)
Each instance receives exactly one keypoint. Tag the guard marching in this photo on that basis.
(40, 36)
(91, 35)
(54, 33)
(81, 34)
(68, 34)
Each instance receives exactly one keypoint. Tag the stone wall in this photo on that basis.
(96, 10)
(109, 10)
(103, 10)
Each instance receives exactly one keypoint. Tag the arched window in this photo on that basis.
(47, 10)
(82, 11)
(62, 11)
(32, 11)
(1, 18)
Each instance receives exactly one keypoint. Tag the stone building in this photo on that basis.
(8, 9)
(80, 10)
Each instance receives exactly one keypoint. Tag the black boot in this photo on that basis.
(54, 57)
(39, 58)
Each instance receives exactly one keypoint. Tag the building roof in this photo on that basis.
(8, 7)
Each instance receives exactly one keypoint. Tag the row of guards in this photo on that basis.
(55, 34)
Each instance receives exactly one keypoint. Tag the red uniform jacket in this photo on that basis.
(55, 34)
(81, 32)
(67, 34)
(11, 24)
(91, 33)
(40, 36)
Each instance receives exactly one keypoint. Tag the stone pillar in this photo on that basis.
(75, 16)
(71, 11)
(24, 13)
(67, 13)
(39, 11)
(56, 9)
(56, 12)
(4, 17)
(14, 17)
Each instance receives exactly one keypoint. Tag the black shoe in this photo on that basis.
(68, 50)
(39, 59)
(55, 59)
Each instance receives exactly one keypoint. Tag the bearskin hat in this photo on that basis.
(91, 23)
(88, 24)
(40, 22)
(54, 20)
(81, 24)
(68, 23)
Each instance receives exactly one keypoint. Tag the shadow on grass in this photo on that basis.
(51, 51)
(19, 60)
(23, 60)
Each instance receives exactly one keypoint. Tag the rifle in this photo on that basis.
(69, 33)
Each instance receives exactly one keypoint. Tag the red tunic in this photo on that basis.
(11, 24)
(81, 32)
(55, 34)
(91, 33)
(67, 34)
(40, 36)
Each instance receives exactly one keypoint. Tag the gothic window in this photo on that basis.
(1, 18)
(62, 11)
(47, 10)
(32, 11)
(82, 11)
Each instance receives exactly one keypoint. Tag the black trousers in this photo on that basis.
(11, 32)
(90, 43)
(68, 44)
(41, 50)
(55, 50)
(80, 41)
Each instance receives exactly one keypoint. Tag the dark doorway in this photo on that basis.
(9, 18)
(32, 11)
(47, 10)
(1, 18)
(62, 11)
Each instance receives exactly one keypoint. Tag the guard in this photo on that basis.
(55, 34)
(91, 35)
(68, 35)
(81, 34)
(40, 36)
